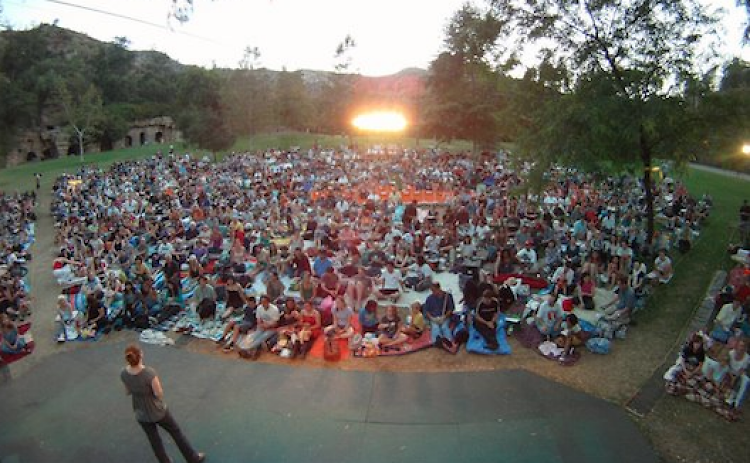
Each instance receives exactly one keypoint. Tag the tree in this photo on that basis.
(292, 103)
(201, 111)
(462, 89)
(82, 111)
(636, 54)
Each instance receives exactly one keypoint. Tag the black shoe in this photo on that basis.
(439, 341)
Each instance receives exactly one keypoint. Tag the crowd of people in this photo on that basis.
(280, 248)
(16, 235)
(712, 368)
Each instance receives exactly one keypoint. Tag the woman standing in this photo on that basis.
(143, 385)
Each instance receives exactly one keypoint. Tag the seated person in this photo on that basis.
(716, 374)
(725, 320)
(12, 342)
(390, 283)
(368, 317)
(506, 263)
(527, 257)
(739, 360)
(563, 279)
(421, 275)
(204, 300)
(415, 324)
(92, 284)
(438, 309)
(328, 284)
(662, 268)
(549, 316)
(586, 291)
(267, 316)
(692, 356)
(359, 288)
(65, 316)
(571, 335)
(275, 287)
(485, 319)
(341, 328)
(236, 328)
(96, 315)
(617, 312)
(390, 329)
(289, 325)
(139, 271)
(311, 327)
(235, 297)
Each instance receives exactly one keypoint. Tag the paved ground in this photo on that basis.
(72, 408)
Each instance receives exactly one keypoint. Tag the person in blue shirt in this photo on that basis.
(322, 263)
(437, 310)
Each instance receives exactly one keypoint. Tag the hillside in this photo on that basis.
(211, 107)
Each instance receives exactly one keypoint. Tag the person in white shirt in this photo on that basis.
(725, 320)
(662, 268)
(739, 360)
(527, 256)
(267, 316)
(391, 283)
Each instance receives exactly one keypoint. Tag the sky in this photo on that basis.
(390, 35)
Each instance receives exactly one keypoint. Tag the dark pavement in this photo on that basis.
(73, 408)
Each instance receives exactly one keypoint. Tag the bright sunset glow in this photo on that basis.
(382, 121)
(746, 149)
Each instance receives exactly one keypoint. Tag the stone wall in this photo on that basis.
(156, 131)
(53, 141)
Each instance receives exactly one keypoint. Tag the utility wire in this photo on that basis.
(129, 18)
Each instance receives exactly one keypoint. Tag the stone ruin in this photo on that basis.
(53, 141)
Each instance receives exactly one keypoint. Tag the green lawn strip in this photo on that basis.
(671, 307)
(22, 177)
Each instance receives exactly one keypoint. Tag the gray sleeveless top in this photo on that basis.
(147, 408)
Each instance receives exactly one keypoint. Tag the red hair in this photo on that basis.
(133, 355)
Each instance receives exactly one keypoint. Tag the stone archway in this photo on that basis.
(159, 137)
(143, 138)
(31, 156)
(128, 141)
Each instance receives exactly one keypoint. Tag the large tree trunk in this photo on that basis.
(646, 159)
(80, 144)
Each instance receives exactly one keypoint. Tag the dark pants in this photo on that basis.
(488, 334)
(171, 426)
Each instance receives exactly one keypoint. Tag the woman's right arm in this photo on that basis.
(156, 388)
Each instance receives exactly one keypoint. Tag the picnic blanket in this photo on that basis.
(412, 345)
(477, 345)
(7, 359)
(550, 351)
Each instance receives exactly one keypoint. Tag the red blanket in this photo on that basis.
(534, 283)
(10, 358)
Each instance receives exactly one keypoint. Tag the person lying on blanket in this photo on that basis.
(415, 324)
(485, 319)
(571, 335)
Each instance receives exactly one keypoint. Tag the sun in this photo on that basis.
(380, 121)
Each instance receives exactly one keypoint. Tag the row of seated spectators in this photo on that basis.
(16, 236)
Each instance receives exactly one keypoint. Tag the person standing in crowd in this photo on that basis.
(143, 385)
